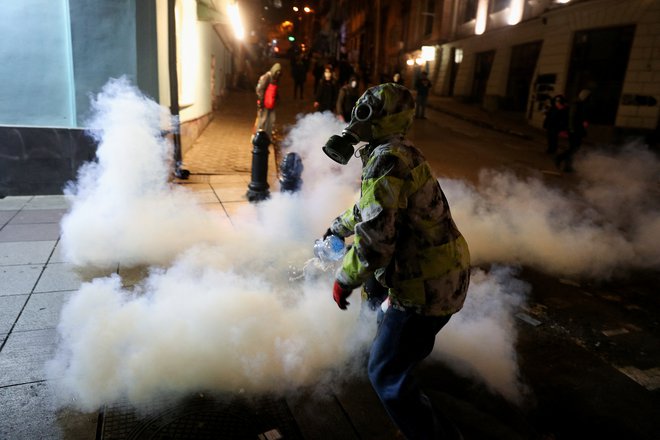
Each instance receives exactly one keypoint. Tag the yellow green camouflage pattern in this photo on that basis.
(404, 232)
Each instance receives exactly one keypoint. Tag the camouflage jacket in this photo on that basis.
(404, 233)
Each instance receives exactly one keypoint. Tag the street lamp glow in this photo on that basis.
(428, 53)
(482, 17)
(515, 11)
(236, 22)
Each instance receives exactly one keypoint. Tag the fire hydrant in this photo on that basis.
(291, 169)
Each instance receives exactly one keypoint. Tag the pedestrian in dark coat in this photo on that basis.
(555, 122)
(299, 74)
(326, 95)
(348, 96)
(422, 86)
(578, 121)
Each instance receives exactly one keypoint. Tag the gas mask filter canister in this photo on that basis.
(340, 148)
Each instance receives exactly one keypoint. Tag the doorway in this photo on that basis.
(482, 66)
(599, 60)
(521, 72)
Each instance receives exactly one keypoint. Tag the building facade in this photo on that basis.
(57, 54)
(514, 54)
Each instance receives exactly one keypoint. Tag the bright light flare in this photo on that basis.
(516, 8)
(428, 53)
(482, 17)
(236, 22)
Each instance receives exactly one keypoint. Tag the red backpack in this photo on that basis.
(269, 96)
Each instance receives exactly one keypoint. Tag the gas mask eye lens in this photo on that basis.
(363, 112)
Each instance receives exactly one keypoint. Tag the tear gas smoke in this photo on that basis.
(199, 325)
(607, 226)
(480, 340)
(123, 203)
(221, 312)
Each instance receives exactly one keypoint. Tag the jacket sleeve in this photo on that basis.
(261, 85)
(344, 225)
(375, 231)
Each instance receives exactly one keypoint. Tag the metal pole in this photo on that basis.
(174, 89)
(258, 187)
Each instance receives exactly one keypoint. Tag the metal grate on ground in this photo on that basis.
(202, 417)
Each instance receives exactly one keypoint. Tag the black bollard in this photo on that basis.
(291, 169)
(258, 187)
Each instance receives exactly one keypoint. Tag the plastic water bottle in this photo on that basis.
(330, 249)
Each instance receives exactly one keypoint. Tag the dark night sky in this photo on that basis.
(277, 15)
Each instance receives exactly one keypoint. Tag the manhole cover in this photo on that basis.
(201, 417)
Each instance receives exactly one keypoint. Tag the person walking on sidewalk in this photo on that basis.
(422, 87)
(578, 121)
(405, 236)
(299, 74)
(326, 95)
(555, 122)
(267, 97)
(348, 96)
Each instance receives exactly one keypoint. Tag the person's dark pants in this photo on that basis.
(553, 141)
(404, 339)
(574, 143)
(298, 87)
(420, 108)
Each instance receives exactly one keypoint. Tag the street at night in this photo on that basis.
(162, 278)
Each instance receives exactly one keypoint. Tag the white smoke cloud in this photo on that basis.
(200, 325)
(605, 227)
(480, 339)
(219, 309)
(124, 204)
(624, 187)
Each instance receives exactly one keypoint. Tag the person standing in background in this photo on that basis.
(422, 87)
(555, 122)
(578, 121)
(267, 97)
(326, 95)
(299, 74)
(348, 96)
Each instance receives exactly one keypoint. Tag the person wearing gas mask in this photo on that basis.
(405, 238)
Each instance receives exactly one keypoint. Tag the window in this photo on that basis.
(429, 17)
(470, 10)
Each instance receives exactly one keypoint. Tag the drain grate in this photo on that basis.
(200, 418)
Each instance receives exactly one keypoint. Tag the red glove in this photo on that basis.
(340, 294)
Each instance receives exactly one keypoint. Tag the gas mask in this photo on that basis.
(340, 148)
(382, 111)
